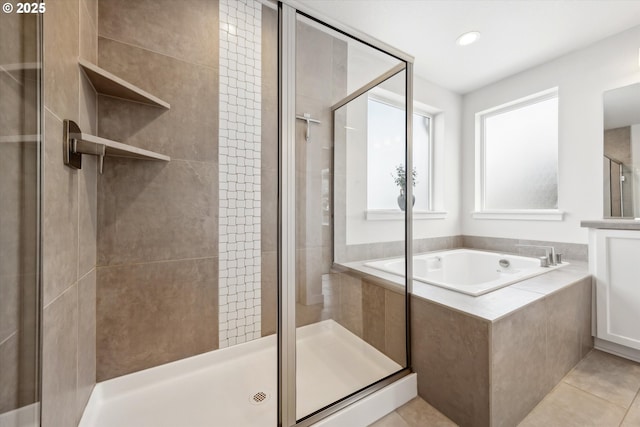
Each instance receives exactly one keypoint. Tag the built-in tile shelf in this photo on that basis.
(28, 68)
(17, 139)
(107, 83)
(77, 143)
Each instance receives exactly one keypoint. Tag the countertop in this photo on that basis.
(612, 224)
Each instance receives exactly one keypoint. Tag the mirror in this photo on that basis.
(621, 159)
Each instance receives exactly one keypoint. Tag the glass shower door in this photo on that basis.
(349, 325)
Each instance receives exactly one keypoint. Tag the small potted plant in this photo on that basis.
(400, 178)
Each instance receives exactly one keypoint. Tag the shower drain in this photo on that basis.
(259, 398)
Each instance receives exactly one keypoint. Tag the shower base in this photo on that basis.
(236, 386)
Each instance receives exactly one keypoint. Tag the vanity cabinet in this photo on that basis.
(614, 261)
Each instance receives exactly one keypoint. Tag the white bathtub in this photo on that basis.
(467, 271)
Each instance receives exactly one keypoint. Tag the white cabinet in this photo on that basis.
(614, 261)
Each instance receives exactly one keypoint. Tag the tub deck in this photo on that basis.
(490, 306)
(468, 271)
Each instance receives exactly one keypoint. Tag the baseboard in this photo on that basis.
(617, 349)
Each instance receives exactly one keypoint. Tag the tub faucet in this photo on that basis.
(549, 251)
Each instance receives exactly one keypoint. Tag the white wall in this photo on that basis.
(447, 166)
(581, 77)
(635, 166)
(446, 169)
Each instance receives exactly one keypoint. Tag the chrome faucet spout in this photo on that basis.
(549, 251)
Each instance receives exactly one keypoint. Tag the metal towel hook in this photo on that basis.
(307, 117)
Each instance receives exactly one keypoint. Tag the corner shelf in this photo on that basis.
(107, 83)
(17, 139)
(77, 143)
(28, 69)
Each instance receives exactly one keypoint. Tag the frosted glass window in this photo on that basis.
(386, 151)
(520, 145)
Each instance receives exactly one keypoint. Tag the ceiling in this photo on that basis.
(515, 34)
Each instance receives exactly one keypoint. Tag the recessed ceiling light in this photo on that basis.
(468, 38)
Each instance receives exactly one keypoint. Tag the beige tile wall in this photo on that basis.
(367, 251)
(450, 353)
(69, 217)
(157, 279)
(369, 310)
(318, 56)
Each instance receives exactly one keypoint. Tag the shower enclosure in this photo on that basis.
(218, 278)
(618, 189)
(326, 73)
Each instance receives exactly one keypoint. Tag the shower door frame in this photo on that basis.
(288, 10)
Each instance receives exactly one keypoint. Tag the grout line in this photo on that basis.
(155, 262)
(75, 405)
(80, 177)
(544, 399)
(589, 354)
(53, 114)
(86, 274)
(400, 415)
(59, 295)
(636, 397)
(9, 337)
(595, 395)
(576, 365)
(94, 24)
(209, 67)
(8, 73)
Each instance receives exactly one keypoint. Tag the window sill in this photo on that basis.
(521, 214)
(398, 215)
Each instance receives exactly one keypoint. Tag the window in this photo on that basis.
(385, 151)
(517, 153)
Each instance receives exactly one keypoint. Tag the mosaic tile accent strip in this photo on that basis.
(239, 169)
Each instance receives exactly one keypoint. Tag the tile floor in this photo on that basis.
(601, 391)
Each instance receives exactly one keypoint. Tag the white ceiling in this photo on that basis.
(515, 34)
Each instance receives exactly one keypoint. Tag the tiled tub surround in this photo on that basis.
(488, 360)
(371, 308)
(350, 253)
